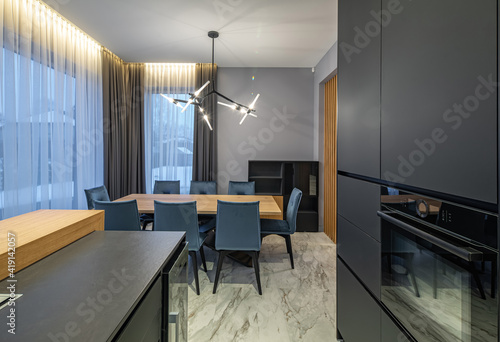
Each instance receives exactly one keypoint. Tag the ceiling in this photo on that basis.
(253, 33)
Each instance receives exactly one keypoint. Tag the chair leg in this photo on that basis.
(195, 271)
(202, 254)
(288, 241)
(255, 261)
(222, 254)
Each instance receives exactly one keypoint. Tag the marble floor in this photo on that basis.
(296, 305)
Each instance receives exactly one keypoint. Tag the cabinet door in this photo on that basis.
(145, 324)
(359, 87)
(358, 202)
(358, 314)
(361, 252)
(439, 96)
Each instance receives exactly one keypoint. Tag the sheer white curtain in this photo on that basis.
(50, 110)
(168, 132)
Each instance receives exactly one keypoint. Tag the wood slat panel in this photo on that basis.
(330, 157)
(43, 232)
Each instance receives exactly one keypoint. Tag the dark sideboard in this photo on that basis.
(278, 178)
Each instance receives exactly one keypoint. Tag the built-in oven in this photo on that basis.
(439, 268)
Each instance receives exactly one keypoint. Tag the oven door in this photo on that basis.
(438, 287)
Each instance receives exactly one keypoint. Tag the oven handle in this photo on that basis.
(465, 253)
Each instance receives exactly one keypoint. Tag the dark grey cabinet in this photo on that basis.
(359, 87)
(358, 202)
(439, 97)
(361, 252)
(278, 178)
(358, 318)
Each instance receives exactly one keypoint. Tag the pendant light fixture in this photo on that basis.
(197, 100)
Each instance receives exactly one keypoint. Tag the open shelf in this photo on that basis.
(278, 178)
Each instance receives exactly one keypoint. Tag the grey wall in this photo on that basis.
(284, 128)
(324, 71)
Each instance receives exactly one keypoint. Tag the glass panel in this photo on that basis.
(178, 299)
(172, 141)
(436, 295)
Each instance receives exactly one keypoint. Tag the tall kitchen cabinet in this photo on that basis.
(439, 97)
(358, 231)
(417, 110)
(358, 90)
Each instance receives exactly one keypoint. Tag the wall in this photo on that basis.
(284, 128)
(324, 71)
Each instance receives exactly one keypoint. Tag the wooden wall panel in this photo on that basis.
(330, 191)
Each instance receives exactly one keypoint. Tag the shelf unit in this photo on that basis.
(278, 178)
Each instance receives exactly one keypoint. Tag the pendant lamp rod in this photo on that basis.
(197, 100)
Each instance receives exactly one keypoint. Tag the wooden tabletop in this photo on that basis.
(206, 204)
(40, 233)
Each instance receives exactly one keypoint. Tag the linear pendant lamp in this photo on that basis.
(197, 100)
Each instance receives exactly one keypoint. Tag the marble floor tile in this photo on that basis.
(296, 305)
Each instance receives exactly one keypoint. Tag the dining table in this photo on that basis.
(270, 207)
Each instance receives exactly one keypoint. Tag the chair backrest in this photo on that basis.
(293, 208)
(99, 193)
(203, 188)
(179, 217)
(167, 187)
(238, 226)
(241, 188)
(119, 215)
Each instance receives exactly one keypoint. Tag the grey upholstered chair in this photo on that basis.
(284, 228)
(241, 188)
(99, 193)
(238, 229)
(203, 188)
(119, 215)
(206, 222)
(167, 187)
(182, 217)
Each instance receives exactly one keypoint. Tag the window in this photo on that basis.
(169, 132)
(51, 145)
(172, 147)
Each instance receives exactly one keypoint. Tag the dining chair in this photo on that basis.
(182, 217)
(238, 229)
(203, 188)
(206, 222)
(99, 193)
(161, 187)
(167, 187)
(119, 215)
(241, 188)
(284, 228)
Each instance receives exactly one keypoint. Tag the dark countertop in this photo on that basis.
(87, 289)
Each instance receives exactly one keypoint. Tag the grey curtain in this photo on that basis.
(205, 140)
(123, 116)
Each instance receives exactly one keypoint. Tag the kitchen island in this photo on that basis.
(107, 286)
